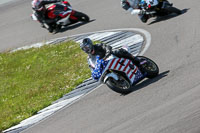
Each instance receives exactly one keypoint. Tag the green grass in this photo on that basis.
(31, 79)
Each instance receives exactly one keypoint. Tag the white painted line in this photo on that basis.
(146, 34)
(129, 41)
(99, 36)
(74, 101)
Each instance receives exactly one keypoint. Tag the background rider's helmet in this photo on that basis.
(36, 5)
(87, 45)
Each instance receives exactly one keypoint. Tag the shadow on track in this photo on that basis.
(73, 26)
(163, 18)
(147, 82)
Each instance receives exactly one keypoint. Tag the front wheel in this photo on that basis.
(150, 67)
(122, 85)
(81, 16)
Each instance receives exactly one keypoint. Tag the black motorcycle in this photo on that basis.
(160, 8)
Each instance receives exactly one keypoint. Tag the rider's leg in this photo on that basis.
(122, 53)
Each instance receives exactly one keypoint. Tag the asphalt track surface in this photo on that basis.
(169, 103)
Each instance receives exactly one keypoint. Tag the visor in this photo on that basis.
(87, 49)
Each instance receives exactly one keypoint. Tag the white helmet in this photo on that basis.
(36, 5)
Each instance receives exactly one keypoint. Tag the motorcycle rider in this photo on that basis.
(137, 6)
(39, 7)
(102, 51)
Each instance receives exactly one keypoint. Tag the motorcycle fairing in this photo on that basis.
(124, 65)
(58, 9)
(100, 66)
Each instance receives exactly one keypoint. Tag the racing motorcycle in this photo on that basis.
(120, 74)
(158, 8)
(64, 15)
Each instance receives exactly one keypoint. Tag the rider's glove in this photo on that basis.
(91, 67)
(107, 55)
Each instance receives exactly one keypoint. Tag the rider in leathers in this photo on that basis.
(39, 7)
(102, 51)
(136, 6)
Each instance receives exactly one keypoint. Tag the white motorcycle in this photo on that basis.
(120, 74)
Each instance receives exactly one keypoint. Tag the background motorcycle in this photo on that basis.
(159, 8)
(64, 15)
(120, 74)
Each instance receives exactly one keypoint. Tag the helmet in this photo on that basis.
(87, 45)
(36, 5)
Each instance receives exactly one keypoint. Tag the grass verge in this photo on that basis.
(31, 79)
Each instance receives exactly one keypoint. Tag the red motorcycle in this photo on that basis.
(64, 15)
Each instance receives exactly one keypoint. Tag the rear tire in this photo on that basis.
(120, 86)
(150, 67)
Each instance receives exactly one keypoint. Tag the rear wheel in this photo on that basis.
(122, 85)
(150, 67)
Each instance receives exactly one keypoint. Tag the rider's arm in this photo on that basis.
(136, 11)
(91, 62)
(107, 48)
(97, 71)
(41, 14)
(45, 2)
(125, 5)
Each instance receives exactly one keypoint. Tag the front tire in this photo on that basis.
(150, 67)
(122, 85)
(81, 16)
